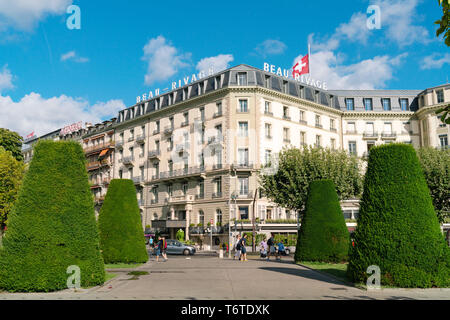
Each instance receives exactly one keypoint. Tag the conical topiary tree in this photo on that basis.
(397, 229)
(121, 234)
(52, 224)
(323, 235)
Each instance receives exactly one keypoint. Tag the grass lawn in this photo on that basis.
(122, 265)
(338, 270)
(109, 276)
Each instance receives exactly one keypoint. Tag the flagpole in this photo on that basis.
(309, 57)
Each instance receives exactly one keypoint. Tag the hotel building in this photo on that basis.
(194, 153)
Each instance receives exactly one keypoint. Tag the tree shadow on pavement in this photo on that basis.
(310, 274)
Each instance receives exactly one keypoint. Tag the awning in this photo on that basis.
(103, 153)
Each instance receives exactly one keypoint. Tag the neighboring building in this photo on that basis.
(194, 153)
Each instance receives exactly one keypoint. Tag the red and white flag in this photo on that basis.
(30, 135)
(301, 67)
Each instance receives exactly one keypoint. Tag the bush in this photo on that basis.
(52, 224)
(398, 229)
(120, 226)
(323, 235)
(180, 235)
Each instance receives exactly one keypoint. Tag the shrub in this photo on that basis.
(180, 235)
(398, 229)
(52, 224)
(323, 235)
(120, 226)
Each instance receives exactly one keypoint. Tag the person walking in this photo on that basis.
(263, 248)
(164, 250)
(271, 247)
(237, 248)
(150, 245)
(280, 250)
(159, 247)
(243, 248)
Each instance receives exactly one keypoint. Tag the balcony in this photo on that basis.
(351, 132)
(243, 166)
(217, 166)
(217, 195)
(93, 165)
(153, 154)
(182, 147)
(184, 124)
(181, 199)
(168, 129)
(99, 147)
(388, 135)
(286, 117)
(245, 195)
(268, 113)
(181, 172)
(215, 140)
(140, 138)
(154, 201)
(156, 131)
(199, 196)
(318, 125)
(217, 114)
(287, 140)
(130, 138)
(370, 135)
(138, 180)
(333, 129)
(128, 160)
(304, 122)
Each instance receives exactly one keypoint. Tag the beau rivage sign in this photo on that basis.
(286, 73)
(176, 84)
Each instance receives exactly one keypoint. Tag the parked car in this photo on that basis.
(177, 247)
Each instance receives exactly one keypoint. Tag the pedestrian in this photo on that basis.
(159, 247)
(271, 247)
(263, 248)
(243, 249)
(150, 245)
(237, 247)
(164, 251)
(280, 250)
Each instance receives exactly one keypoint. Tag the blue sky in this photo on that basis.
(51, 76)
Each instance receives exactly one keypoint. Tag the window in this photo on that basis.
(302, 117)
(243, 105)
(443, 139)
(218, 108)
(267, 107)
(121, 136)
(386, 102)
(267, 81)
(243, 156)
(352, 147)
(286, 113)
(202, 113)
(131, 134)
(219, 132)
(155, 194)
(201, 189)
(219, 217)
(350, 103)
(285, 87)
(332, 124)
(157, 145)
(200, 88)
(440, 96)
(185, 93)
(318, 121)
(302, 138)
(217, 83)
(218, 186)
(243, 129)
(441, 124)
(267, 157)
(368, 104)
(141, 172)
(170, 165)
(170, 190)
(186, 118)
(318, 141)
(157, 126)
(268, 130)
(243, 186)
(286, 136)
(170, 143)
(351, 127)
(185, 188)
(243, 213)
(156, 169)
(333, 144)
(201, 218)
(120, 174)
(404, 104)
(369, 128)
(387, 128)
(219, 158)
(242, 79)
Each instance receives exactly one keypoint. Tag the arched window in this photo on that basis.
(201, 217)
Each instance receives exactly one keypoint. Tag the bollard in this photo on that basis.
(221, 253)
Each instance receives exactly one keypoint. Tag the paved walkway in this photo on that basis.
(205, 277)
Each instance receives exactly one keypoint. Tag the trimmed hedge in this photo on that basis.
(397, 227)
(121, 234)
(52, 224)
(323, 235)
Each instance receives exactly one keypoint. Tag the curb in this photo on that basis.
(350, 284)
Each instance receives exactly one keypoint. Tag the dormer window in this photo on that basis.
(242, 78)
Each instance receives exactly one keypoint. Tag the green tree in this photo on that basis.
(436, 168)
(121, 234)
(12, 142)
(289, 186)
(52, 224)
(323, 234)
(11, 175)
(397, 228)
(444, 23)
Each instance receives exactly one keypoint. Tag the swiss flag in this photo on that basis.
(301, 67)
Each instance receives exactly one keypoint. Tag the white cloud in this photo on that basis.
(435, 61)
(398, 18)
(6, 79)
(35, 113)
(24, 14)
(270, 47)
(366, 74)
(73, 56)
(219, 62)
(163, 60)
